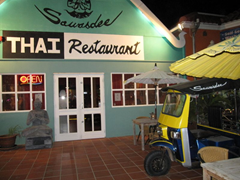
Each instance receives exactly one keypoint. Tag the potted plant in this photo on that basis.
(8, 140)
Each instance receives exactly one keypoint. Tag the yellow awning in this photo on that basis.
(221, 60)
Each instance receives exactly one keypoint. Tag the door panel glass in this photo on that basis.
(88, 122)
(72, 93)
(79, 106)
(87, 92)
(63, 124)
(62, 93)
(97, 122)
(73, 123)
(96, 92)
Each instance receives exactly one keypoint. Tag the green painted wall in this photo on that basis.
(22, 15)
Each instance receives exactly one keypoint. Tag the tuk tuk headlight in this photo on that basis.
(159, 131)
(175, 135)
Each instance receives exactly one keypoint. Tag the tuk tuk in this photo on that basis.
(176, 141)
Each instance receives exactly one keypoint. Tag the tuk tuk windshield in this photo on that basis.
(174, 104)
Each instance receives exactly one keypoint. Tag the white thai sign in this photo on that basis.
(49, 45)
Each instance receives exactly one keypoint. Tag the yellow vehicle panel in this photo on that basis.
(177, 121)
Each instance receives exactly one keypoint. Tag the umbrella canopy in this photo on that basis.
(156, 77)
(221, 60)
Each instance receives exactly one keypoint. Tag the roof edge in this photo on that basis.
(178, 43)
(213, 26)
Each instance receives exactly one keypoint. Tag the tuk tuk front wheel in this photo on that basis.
(157, 163)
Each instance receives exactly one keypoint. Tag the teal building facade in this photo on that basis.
(75, 56)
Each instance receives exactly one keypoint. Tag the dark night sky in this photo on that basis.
(169, 11)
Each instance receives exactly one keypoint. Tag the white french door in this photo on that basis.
(79, 107)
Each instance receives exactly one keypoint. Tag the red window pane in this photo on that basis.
(23, 101)
(151, 86)
(129, 85)
(162, 85)
(117, 81)
(141, 97)
(140, 85)
(117, 98)
(151, 97)
(23, 82)
(41, 97)
(129, 98)
(8, 83)
(162, 97)
(38, 82)
(8, 102)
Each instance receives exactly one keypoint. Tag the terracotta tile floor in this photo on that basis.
(95, 159)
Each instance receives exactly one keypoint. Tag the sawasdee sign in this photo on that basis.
(78, 9)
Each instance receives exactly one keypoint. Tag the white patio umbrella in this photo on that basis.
(156, 77)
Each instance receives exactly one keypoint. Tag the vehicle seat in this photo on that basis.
(212, 153)
(200, 133)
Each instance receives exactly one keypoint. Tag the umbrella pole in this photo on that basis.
(196, 109)
(155, 101)
(235, 102)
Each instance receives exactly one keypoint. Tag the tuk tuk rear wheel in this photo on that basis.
(157, 163)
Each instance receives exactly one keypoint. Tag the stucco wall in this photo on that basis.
(29, 15)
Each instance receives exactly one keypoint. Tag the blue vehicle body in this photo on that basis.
(183, 143)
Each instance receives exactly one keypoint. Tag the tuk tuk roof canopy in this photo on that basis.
(204, 86)
(221, 60)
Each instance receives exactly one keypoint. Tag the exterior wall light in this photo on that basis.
(179, 28)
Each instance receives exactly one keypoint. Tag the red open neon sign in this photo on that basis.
(36, 79)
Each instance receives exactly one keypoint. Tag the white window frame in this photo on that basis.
(21, 92)
(135, 89)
